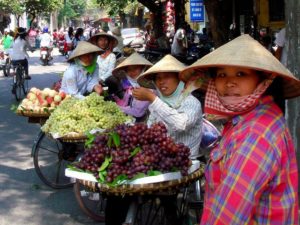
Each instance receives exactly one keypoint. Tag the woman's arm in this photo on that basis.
(177, 119)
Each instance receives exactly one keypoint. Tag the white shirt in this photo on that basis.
(106, 66)
(281, 42)
(19, 47)
(46, 40)
(76, 82)
(184, 124)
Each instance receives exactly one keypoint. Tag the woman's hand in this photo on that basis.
(98, 89)
(143, 94)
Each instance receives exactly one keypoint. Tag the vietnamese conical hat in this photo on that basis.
(166, 64)
(112, 39)
(82, 48)
(134, 59)
(245, 52)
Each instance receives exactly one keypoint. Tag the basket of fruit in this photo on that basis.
(73, 118)
(132, 159)
(40, 103)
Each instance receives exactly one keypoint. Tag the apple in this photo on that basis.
(53, 104)
(31, 96)
(62, 94)
(57, 98)
(33, 90)
(49, 100)
(52, 93)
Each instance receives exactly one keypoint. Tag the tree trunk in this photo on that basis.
(220, 17)
(292, 12)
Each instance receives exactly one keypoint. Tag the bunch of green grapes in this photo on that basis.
(80, 116)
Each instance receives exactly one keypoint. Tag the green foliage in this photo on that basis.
(72, 9)
(115, 7)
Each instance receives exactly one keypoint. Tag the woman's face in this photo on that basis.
(87, 59)
(134, 71)
(167, 82)
(234, 81)
(102, 42)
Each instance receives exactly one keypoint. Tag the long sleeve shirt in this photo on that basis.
(106, 66)
(184, 124)
(128, 104)
(77, 82)
(252, 175)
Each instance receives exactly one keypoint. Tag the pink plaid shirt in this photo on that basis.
(252, 175)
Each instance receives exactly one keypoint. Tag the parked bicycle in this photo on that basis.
(20, 84)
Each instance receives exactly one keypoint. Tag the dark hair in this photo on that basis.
(78, 33)
(21, 32)
(70, 32)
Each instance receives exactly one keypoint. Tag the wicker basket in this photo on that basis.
(171, 186)
(73, 138)
(29, 113)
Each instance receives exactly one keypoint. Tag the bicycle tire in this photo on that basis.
(18, 91)
(49, 162)
(92, 208)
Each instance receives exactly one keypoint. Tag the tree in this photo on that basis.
(14, 7)
(117, 7)
(35, 8)
(72, 10)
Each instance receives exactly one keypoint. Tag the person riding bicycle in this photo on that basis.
(81, 77)
(19, 47)
(46, 41)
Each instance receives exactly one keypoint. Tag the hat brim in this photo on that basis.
(245, 52)
(111, 38)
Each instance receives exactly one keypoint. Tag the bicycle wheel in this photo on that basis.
(50, 158)
(18, 86)
(91, 203)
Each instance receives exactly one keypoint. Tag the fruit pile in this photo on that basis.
(81, 115)
(130, 152)
(42, 100)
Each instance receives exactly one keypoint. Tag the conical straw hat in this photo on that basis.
(134, 59)
(166, 64)
(83, 48)
(245, 52)
(112, 39)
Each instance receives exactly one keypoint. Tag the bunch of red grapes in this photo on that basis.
(154, 150)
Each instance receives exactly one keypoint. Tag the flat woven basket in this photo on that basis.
(143, 189)
(73, 138)
(29, 113)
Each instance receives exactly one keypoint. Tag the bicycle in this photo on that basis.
(20, 84)
(51, 157)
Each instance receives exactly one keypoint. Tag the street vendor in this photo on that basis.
(182, 116)
(106, 59)
(81, 77)
(126, 74)
(252, 175)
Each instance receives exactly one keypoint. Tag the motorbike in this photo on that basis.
(45, 55)
(60, 45)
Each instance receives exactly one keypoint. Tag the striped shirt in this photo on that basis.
(183, 124)
(252, 175)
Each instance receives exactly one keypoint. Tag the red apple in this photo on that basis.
(49, 100)
(62, 94)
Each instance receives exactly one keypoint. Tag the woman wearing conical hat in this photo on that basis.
(123, 81)
(107, 59)
(252, 175)
(81, 77)
(182, 117)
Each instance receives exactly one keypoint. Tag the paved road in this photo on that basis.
(24, 199)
